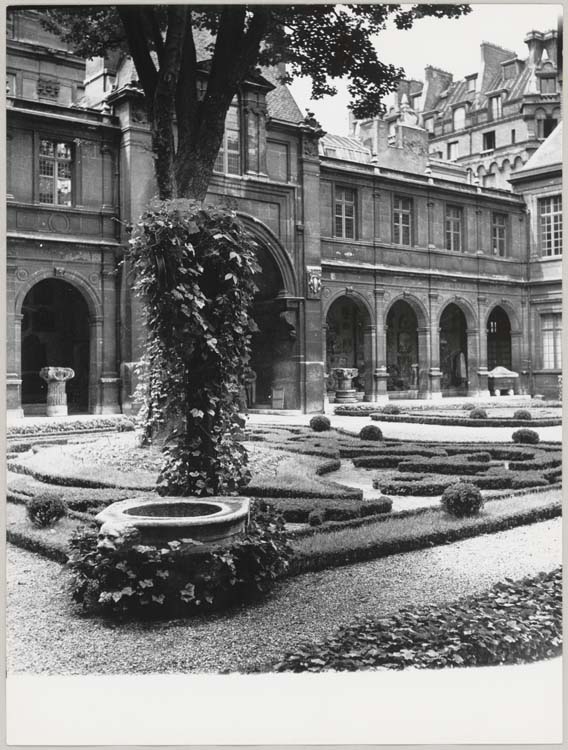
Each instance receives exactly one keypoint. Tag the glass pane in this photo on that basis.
(349, 229)
(63, 192)
(63, 151)
(64, 169)
(46, 167)
(47, 148)
(219, 163)
(45, 190)
(338, 226)
(233, 163)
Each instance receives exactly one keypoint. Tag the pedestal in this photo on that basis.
(380, 378)
(483, 377)
(345, 393)
(435, 379)
(56, 377)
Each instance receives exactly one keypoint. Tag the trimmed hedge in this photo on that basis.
(462, 499)
(525, 436)
(319, 423)
(298, 509)
(371, 432)
(116, 422)
(513, 622)
(464, 421)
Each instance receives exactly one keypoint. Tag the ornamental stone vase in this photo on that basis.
(345, 393)
(56, 377)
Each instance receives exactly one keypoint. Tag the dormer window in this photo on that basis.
(495, 107)
(471, 83)
(459, 118)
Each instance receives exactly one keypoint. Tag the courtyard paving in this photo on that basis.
(46, 633)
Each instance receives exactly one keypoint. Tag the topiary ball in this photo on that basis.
(46, 509)
(319, 423)
(316, 518)
(522, 414)
(391, 409)
(462, 499)
(525, 435)
(371, 432)
(478, 413)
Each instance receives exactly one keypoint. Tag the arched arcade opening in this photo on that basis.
(499, 350)
(402, 349)
(453, 351)
(349, 342)
(55, 332)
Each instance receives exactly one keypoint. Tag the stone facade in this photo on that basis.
(375, 257)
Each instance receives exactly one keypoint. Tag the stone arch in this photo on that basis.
(58, 325)
(514, 317)
(465, 306)
(92, 297)
(349, 334)
(355, 296)
(518, 163)
(272, 244)
(415, 303)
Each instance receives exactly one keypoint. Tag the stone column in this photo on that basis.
(516, 357)
(380, 373)
(472, 361)
(371, 333)
(423, 360)
(56, 377)
(482, 381)
(110, 382)
(434, 373)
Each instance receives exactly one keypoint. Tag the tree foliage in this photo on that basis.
(324, 42)
(194, 269)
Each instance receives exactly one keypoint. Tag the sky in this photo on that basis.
(450, 44)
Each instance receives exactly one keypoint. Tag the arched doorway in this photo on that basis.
(499, 339)
(453, 351)
(273, 346)
(348, 342)
(55, 332)
(402, 349)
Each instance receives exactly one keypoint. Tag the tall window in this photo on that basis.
(550, 219)
(55, 173)
(429, 124)
(551, 336)
(402, 221)
(459, 118)
(499, 235)
(454, 228)
(453, 150)
(495, 107)
(345, 213)
(489, 140)
(545, 126)
(229, 156)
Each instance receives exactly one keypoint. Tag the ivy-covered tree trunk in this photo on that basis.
(194, 269)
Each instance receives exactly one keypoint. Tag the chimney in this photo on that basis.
(436, 81)
(534, 41)
(491, 58)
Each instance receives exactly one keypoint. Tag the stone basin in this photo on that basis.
(212, 520)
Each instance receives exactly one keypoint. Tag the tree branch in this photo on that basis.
(139, 50)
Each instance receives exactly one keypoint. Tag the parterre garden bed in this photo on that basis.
(299, 486)
(514, 622)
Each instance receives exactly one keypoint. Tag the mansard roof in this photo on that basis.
(547, 155)
(348, 148)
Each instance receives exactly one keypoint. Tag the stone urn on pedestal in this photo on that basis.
(345, 393)
(56, 377)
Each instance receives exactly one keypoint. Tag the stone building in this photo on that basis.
(386, 258)
(491, 121)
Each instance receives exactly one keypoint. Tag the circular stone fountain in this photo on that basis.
(211, 520)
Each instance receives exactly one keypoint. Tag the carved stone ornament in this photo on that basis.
(138, 114)
(47, 88)
(314, 281)
(310, 147)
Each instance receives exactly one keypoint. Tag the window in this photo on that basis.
(55, 170)
(402, 221)
(459, 118)
(345, 213)
(453, 150)
(499, 235)
(489, 140)
(551, 334)
(548, 85)
(10, 84)
(545, 126)
(495, 107)
(513, 135)
(429, 124)
(454, 228)
(550, 220)
(229, 156)
(471, 82)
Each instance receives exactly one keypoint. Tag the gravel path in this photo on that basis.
(46, 634)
